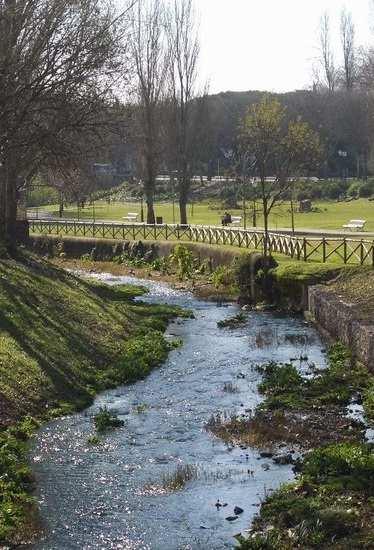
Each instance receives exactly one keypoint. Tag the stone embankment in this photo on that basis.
(339, 317)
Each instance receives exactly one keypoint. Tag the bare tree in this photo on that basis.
(182, 30)
(150, 55)
(277, 148)
(347, 36)
(327, 56)
(57, 63)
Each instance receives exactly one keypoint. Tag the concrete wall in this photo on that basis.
(338, 319)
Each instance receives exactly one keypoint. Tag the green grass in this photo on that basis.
(59, 335)
(62, 339)
(331, 215)
(331, 505)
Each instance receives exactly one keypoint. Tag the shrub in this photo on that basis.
(353, 463)
(333, 190)
(354, 190)
(106, 419)
(223, 276)
(143, 353)
(15, 479)
(280, 378)
(246, 267)
(337, 522)
(366, 189)
(184, 260)
(233, 322)
(93, 440)
(369, 401)
(178, 479)
(162, 265)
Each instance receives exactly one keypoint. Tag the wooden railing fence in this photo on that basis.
(321, 249)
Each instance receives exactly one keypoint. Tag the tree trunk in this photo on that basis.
(266, 227)
(150, 211)
(183, 211)
(2, 207)
(265, 212)
(149, 190)
(184, 188)
(61, 206)
(9, 209)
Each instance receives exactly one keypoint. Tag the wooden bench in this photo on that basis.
(355, 225)
(38, 214)
(131, 217)
(236, 220)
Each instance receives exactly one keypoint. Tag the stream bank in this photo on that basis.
(117, 494)
(62, 340)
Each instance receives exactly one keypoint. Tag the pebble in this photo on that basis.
(231, 518)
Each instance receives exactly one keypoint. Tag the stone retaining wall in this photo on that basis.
(75, 247)
(338, 319)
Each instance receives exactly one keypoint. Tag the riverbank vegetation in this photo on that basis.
(330, 504)
(298, 410)
(62, 339)
(217, 272)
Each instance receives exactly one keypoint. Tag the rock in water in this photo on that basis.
(238, 510)
(231, 518)
(283, 459)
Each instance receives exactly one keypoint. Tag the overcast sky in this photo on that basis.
(270, 44)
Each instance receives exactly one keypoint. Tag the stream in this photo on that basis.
(111, 496)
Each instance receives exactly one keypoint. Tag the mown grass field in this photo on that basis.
(328, 215)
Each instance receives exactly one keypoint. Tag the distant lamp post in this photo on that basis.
(244, 206)
(172, 182)
(247, 166)
(343, 155)
(93, 209)
(254, 214)
(141, 202)
(292, 210)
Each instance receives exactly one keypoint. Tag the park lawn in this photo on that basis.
(329, 215)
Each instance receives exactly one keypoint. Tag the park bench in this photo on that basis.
(131, 217)
(38, 215)
(236, 220)
(355, 225)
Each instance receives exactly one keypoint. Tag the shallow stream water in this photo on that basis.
(110, 496)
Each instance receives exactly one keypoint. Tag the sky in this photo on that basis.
(270, 44)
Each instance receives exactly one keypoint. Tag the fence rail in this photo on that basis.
(322, 249)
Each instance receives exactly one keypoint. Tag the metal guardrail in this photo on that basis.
(321, 249)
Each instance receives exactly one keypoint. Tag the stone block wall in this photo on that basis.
(338, 319)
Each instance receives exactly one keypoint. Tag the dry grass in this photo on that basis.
(301, 429)
(177, 480)
(229, 387)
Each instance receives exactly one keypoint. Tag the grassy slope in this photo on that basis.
(331, 215)
(61, 340)
(58, 334)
